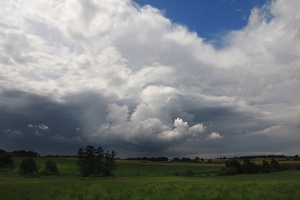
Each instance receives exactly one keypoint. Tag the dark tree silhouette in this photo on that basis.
(6, 160)
(275, 166)
(265, 167)
(92, 161)
(50, 168)
(234, 164)
(23, 153)
(28, 167)
(249, 167)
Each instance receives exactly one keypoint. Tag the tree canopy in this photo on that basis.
(28, 167)
(50, 168)
(94, 161)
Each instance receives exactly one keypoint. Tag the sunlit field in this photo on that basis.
(148, 180)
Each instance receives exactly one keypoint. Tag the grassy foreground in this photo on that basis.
(136, 180)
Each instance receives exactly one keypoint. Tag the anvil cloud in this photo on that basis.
(122, 76)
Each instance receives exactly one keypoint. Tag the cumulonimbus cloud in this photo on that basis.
(130, 75)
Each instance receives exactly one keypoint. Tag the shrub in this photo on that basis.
(233, 164)
(50, 169)
(265, 167)
(6, 160)
(190, 173)
(249, 167)
(28, 167)
(228, 171)
(275, 166)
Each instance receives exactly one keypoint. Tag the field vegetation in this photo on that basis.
(144, 179)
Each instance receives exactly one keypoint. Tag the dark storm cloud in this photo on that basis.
(39, 121)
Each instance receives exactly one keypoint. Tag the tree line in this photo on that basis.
(91, 161)
(23, 153)
(234, 166)
(154, 159)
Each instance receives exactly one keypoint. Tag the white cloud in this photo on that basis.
(214, 135)
(143, 128)
(30, 126)
(41, 127)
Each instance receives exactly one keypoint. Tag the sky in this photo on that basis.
(209, 19)
(150, 77)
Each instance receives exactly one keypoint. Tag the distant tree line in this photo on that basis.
(281, 157)
(197, 159)
(186, 159)
(154, 159)
(23, 153)
(234, 166)
(166, 159)
(61, 156)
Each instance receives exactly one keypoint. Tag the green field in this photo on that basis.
(148, 180)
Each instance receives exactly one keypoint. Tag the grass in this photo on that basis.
(260, 186)
(68, 167)
(138, 168)
(151, 180)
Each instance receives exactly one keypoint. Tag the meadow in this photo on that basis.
(148, 180)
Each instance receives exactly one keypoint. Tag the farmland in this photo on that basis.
(148, 180)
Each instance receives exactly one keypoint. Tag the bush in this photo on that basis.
(6, 160)
(228, 171)
(190, 173)
(28, 167)
(249, 167)
(265, 167)
(233, 164)
(50, 169)
(275, 166)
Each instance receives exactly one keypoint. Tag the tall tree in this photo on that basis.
(93, 161)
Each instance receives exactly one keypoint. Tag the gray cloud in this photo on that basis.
(123, 76)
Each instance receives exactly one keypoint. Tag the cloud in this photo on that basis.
(142, 127)
(30, 126)
(13, 133)
(41, 127)
(117, 74)
(37, 133)
(214, 135)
